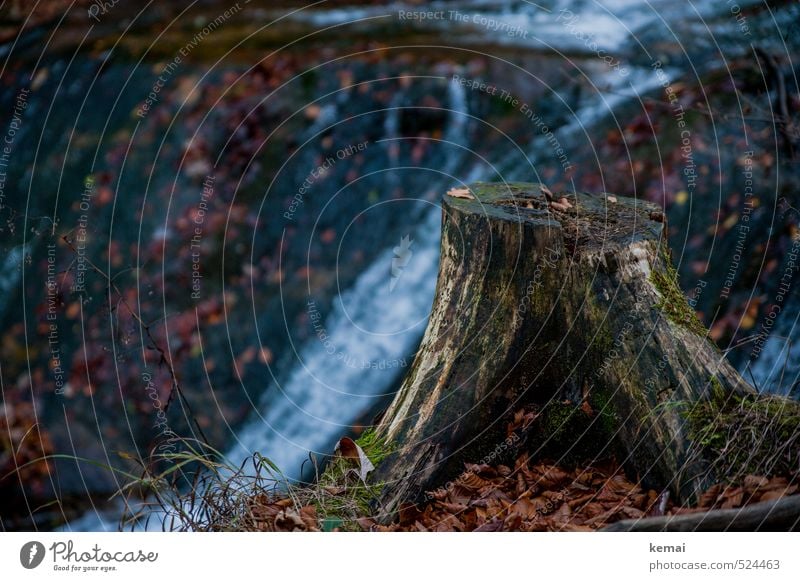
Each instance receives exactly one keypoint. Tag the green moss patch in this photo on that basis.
(340, 496)
(673, 302)
(745, 434)
(571, 436)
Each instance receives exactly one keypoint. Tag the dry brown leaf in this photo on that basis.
(521, 486)
(471, 481)
(602, 518)
(288, 520)
(753, 483)
(463, 193)
(560, 206)
(580, 501)
(512, 522)
(553, 496)
(709, 497)
(525, 508)
(482, 470)
(438, 494)
(639, 501)
(593, 509)
(492, 526)
(308, 514)
(771, 495)
(632, 512)
(606, 495)
(347, 448)
(553, 477)
(409, 513)
(542, 505)
(451, 507)
(521, 461)
(777, 482)
(619, 484)
(733, 499)
(776, 494)
(367, 523)
(562, 516)
(573, 528)
(584, 477)
(538, 525)
(449, 524)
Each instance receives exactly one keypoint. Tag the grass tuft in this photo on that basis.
(255, 496)
(745, 434)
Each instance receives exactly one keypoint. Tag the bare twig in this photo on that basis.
(163, 356)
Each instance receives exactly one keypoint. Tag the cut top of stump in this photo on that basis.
(587, 221)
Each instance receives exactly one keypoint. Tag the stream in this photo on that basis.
(342, 341)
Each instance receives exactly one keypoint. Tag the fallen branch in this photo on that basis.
(777, 515)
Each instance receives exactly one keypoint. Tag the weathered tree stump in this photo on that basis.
(563, 309)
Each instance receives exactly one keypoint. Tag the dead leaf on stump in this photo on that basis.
(347, 448)
(462, 193)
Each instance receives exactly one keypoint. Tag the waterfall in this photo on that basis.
(362, 347)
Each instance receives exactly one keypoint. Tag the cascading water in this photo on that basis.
(358, 351)
(776, 369)
(362, 347)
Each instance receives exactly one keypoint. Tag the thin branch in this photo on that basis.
(175, 387)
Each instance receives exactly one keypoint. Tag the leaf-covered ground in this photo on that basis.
(529, 496)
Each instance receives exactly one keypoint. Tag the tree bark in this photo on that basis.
(561, 308)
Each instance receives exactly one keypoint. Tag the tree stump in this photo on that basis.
(557, 317)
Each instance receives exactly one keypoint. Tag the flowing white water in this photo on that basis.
(372, 330)
(357, 353)
(361, 348)
(777, 367)
(542, 24)
(370, 337)
(356, 357)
